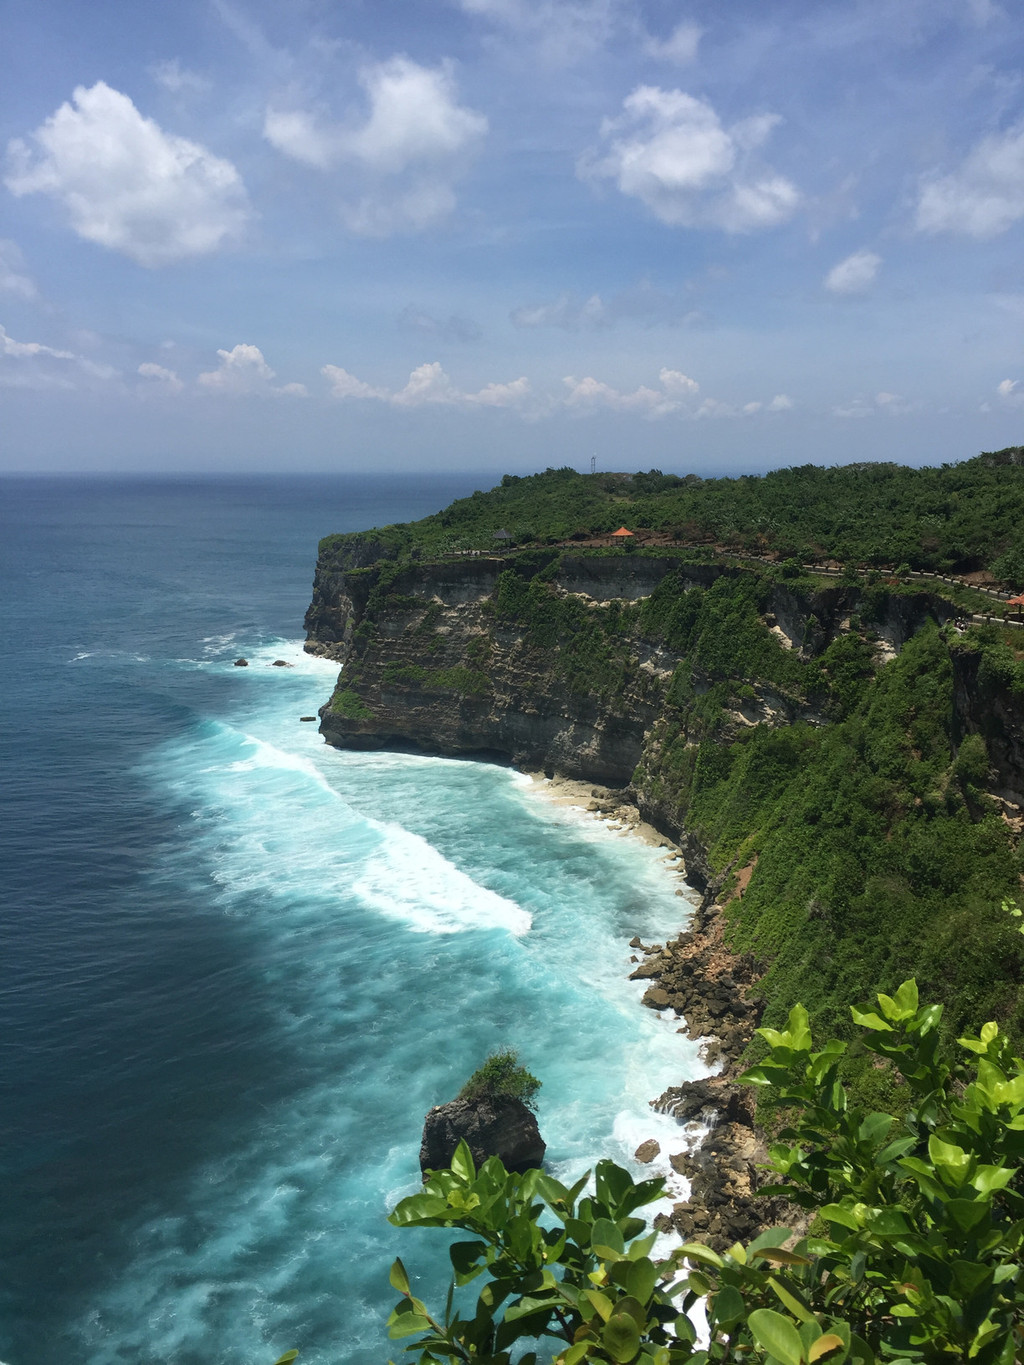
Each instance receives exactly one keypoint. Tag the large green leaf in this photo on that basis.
(398, 1277)
(606, 1239)
(462, 1162)
(621, 1338)
(776, 1335)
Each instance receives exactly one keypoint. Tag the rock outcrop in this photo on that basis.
(708, 987)
(496, 1125)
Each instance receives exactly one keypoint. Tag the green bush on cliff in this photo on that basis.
(350, 704)
(914, 1254)
(502, 1075)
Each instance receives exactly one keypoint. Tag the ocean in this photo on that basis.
(238, 966)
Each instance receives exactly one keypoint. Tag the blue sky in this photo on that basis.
(502, 234)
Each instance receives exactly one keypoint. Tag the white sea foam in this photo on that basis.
(411, 881)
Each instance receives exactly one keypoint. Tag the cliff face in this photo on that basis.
(438, 670)
(573, 663)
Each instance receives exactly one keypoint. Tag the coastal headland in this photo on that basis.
(834, 743)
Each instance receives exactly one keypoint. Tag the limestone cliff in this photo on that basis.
(553, 661)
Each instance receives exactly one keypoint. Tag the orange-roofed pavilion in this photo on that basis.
(622, 531)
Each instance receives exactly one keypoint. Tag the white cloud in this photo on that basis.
(13, 278)
(128, 185)
(426, 386)
(855, 274)
(244, 373)
(680, 47)
(414, 143)
(984, 197)
(178, 80)
(670, 151)
(34, 365)
(1010, 391)
(589, 393)
(345, 385)
(163, 379)
(21, 349)
(780, 403)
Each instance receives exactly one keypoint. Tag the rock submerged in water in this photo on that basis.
(281, 663)
(307, 718)
(241, 663)
(493, 1125)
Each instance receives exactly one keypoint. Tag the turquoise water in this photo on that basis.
(242, 965)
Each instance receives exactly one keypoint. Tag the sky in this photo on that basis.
(497, 235)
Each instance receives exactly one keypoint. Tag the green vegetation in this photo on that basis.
(348, 703)
(913, 1255)
(956, 518)
(877, 852)
(850, 788)
(502, 1076)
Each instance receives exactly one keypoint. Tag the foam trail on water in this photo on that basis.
(412, 882)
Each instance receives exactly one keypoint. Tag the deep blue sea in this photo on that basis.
(238, 966)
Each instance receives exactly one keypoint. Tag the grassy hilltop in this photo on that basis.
(960, 517)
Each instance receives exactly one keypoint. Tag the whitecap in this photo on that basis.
(411, 881)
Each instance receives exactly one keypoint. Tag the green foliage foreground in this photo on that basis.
(913, 1254)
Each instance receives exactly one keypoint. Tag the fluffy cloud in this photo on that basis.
(1010, 391)
(243, 373)
(128, 185)
(984, 197)
(853, 275)
(675, 392)
(671, 151)
(411, 148)
(13, 278)
(428, 385)
(162, 379)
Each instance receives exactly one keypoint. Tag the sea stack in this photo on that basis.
(492, 1125)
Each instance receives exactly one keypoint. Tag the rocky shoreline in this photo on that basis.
(709, 988)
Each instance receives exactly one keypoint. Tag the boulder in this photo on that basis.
(307, 718)
(491, 1126)
(281, 663)
(647, 1151)
(241, 663)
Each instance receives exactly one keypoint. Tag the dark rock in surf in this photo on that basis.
(491, 1126)
(241, 663)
